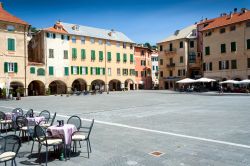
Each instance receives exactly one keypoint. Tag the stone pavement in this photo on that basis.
(189, 129)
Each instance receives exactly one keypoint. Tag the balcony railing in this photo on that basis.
(170, 51)
(171, 65)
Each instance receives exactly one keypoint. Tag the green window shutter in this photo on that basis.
(103, 71)
(74, 53)
(207, 50)
(100, 55)
(86, 70)
(5, 67)
(15, 68)
(91, 70)
(40, 72)
(77, 69)
(66, 71)
(118, 57)
(11, 44)
(98, 71)
(124, 57)
(32, 70)
(80, 70)
(109, 56)
(72, 70)
(131, 58)
(83, 54)
(51, 70)
(93, 55)
(223, 48)
(233, 46)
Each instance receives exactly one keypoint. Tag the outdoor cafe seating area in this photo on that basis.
(19, 128)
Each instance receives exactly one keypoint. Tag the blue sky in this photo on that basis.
(141, 20)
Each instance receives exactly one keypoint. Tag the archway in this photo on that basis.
(36, 88)
(129, 84)
(79, 85)
(98, 85)
(114, 85)
(57, 87)
(16, 87)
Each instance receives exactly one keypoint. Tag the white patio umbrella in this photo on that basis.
(230, 82)
(203, 79)
(186, 81)
(244, 81)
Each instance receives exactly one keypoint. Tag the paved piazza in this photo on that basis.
(190, 129)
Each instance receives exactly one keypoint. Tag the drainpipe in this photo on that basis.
(106, 72)
(25, 59)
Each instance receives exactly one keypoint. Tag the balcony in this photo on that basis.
(170, 51)
(170, 65)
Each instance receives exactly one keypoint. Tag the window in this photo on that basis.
(66, 71)
(248, 43)
(51, 70)
(109, 71)
(65, 54)
(209, 33)
(124, 58)
(10, 67)
(92, 70)
(248, 24)
(192, 57)
(131, 72)
(100, 42)
(108, 43)
(233, 46)
(222, 30)
(233, 64)
(62, 37)
(156, 67)
(82, 40)
(118, 71)
(161, 48)
(131, 46)
(92, 55)
(109, 56)
(73, 38)
(179, 72)
(210, 66)
(207, 50)
(118, 44)
(10, 27)
(191, 44)
(136, 73)
(142, 73)
(153, 67)
(84, 70)
(11, 44)
(51, 35)
(170, 73)
(161, 73)
(68, 37)
(161, 61)
(51, 53)
(142, 52)
(143, 63)
(100, 55)
(74, 70)
(40, 72)
(223, 65)
(123, 45)
(170, 47)
(232, 28)
(118, 57)
(131, 58)
(181, 59)
(125, 71)
(74, 53)
(223, 48)
(181, 44)
(92, 40)
(83, 54)
(32, 70)
(248, 62)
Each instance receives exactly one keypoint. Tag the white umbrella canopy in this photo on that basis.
(230, 82)
(244, 81)
(186, 81)
(203, 79)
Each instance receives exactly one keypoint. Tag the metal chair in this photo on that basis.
(24, 127)
(46, 141)
(83, 135)
(46, 115)
(49, 123)
(29, 113)
(4, 121)
(17, 111)
(75, 120)
(10, 147)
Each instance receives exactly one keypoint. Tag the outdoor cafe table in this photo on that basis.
(37, 119)
(64, 131)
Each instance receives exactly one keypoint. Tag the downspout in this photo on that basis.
(106, 72)
(25, 59)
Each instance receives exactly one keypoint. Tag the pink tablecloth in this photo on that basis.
(63, 132)
(36, 119)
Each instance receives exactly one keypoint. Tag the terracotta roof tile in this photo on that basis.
(53, 29)
(227, 20)
(5, 16)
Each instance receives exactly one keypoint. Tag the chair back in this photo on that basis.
(53, 119)
(75, 120)
(29, 113)
(39, 134)
(17, 111)
(90, 128)
(2, 116)
(21, 121)
(10, 143)
(46, 115)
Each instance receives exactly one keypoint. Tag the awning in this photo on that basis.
(203, 79)
(186, 81)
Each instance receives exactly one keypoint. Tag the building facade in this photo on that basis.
(226, 46)
(78, 58)
(155, 69)
(13, 52)
(143, 67)
(178, 57)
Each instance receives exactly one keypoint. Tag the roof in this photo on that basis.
(182, 34)
(228, 19)
(53, 29)
(96, 32)
(5, 16)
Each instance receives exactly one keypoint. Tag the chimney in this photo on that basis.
(1, 5)
(235, 10)
(243, 10)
